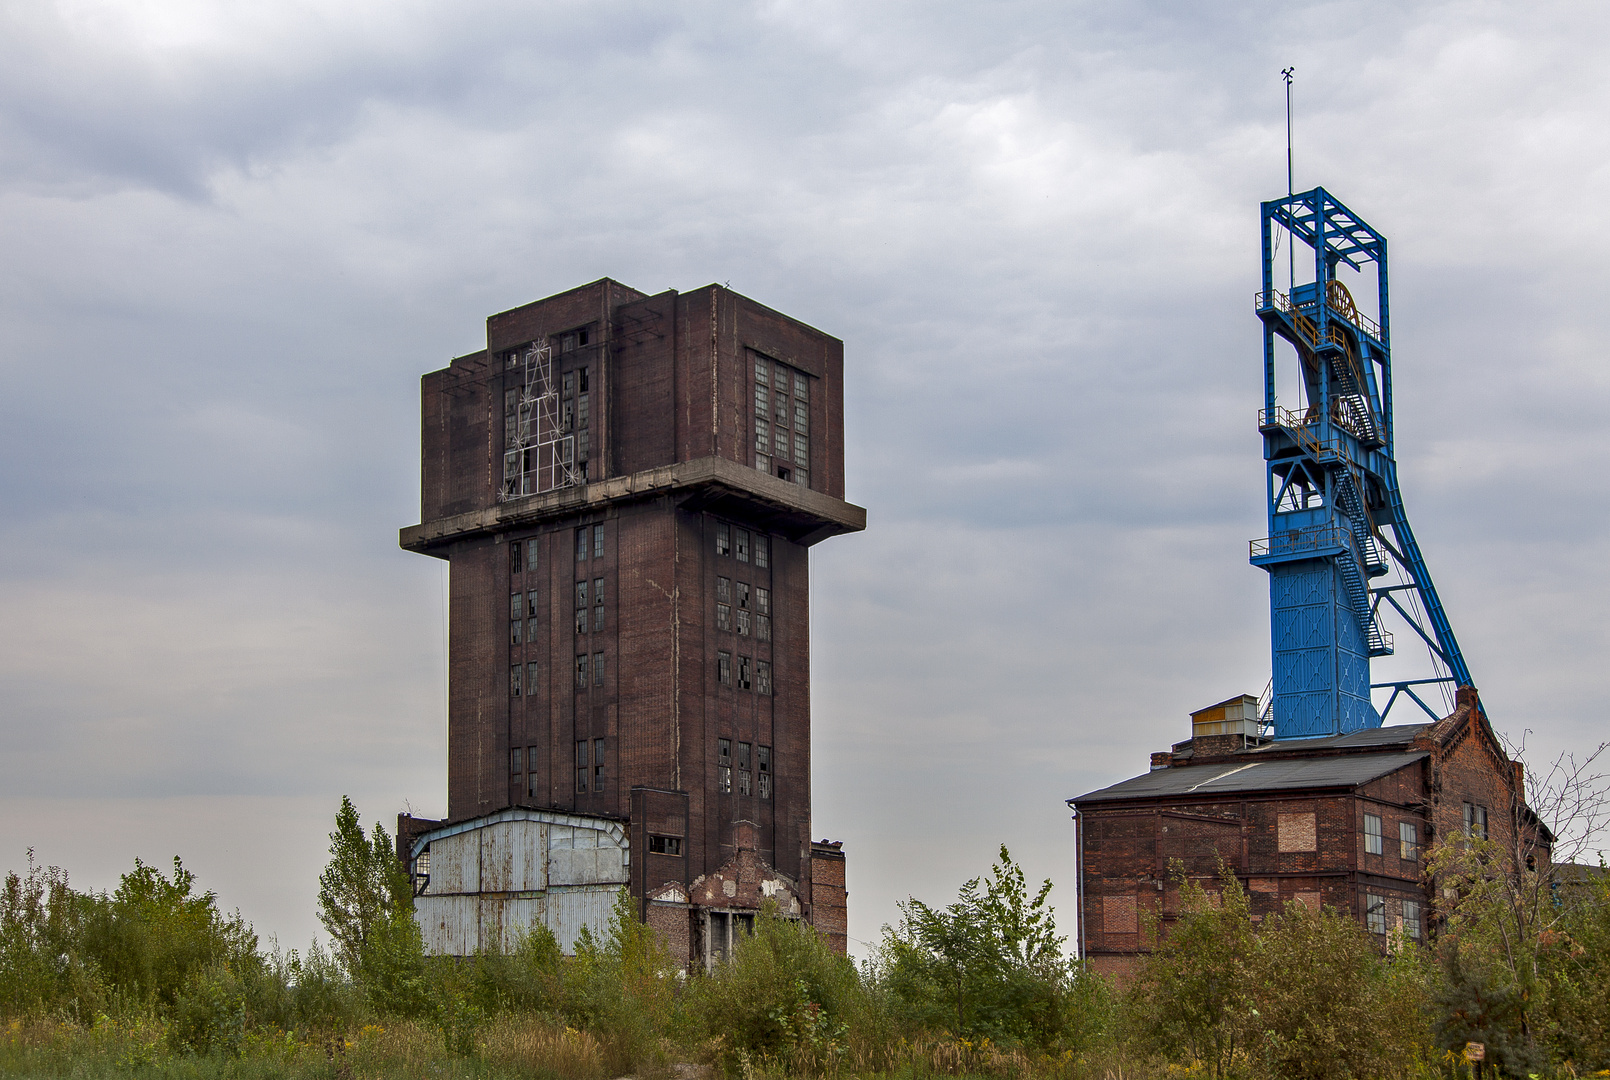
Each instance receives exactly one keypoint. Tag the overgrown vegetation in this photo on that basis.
(155, 979)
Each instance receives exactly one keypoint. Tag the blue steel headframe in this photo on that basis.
(1332, 487)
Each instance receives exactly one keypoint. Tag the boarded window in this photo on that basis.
(1297, 832)
(1120, 915)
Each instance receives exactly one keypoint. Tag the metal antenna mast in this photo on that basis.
(1291, 248)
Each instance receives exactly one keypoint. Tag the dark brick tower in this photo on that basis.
(627, 518)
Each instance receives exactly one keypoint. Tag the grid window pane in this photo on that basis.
(516, 759)
(724, 668)
(763, 676)
(763, 463)
(532, 786)
(763, 600)
(531, 604)
(724, 590)
(514, 633)
(743, 673)
(802, 451)
(762, 436)
(762, 627)
(514, 606)
(802, 478)
(743, 621)
(802, 386)
(581, 544)
(581, 670)
(531, 684)
(762, 401)
(1372, 834)
(801, 416)
(723, 538)
(723, 617)
(743, 545)
(531, 759)
(781, 443)
(762, 546)
(1411, 918)
(516, 557)
(1375, 913)
(1408, 840)
(598, 669)
(581, 594)
(598, 541)
(743, 594)
(762, 372)
(514, 680)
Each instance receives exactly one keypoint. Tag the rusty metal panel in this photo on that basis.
(571, 909)
(449, 924)
(519, 914)
(513, 856)
(455, 864)
(490, 920)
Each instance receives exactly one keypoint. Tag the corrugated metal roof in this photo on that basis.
(1396, 735)
(1344, 770)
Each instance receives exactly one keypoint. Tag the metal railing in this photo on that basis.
(1279, 301)
(1297, 541)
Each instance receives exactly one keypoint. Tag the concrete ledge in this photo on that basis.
(714, 483)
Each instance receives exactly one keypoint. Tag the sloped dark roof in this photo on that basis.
(1396, 735)
(1239, 774)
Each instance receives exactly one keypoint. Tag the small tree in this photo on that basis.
(365, 897)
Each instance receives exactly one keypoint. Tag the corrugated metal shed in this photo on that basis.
(1237, 774)
(493, 877)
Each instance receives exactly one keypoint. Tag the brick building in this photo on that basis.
(1343, 821)
(626, 488)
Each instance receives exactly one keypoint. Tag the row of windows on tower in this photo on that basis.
(752, 674)
(753, 609)
(724, 768)
(589, 544)
(589, 766)
(590, 670)
(741, 545)
(589, 612)
(782, 421)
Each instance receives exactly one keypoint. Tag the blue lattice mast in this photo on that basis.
(1336, 516)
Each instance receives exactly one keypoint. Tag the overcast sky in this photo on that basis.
(233, 236)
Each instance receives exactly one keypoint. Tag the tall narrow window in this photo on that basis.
(516, 557)
(581, 373)
(1375, 913)
(724, 766)
(581, 606)
(723, 538)
(763, 769)
(743, 673)
(744, 611)
(1411, 918)
(531, 682)
(743, 768)
(514, 606)
(762, 555)
(762, 614)
(581, 544)
(723, 603)
(515, 636)
(514, 679)
(598, 764)
(742, 553)
(531, 604)
(763, 677)
(598, 604)
(1475, 821)
(581, 764)
(1408, 840)
(598, 669)
(581, 671)
(516, 760)
(724, 668)
(1372, 834)
(533, 785)
(598, 541)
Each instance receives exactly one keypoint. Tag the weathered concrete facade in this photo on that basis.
(634, 645)
(1343, 822)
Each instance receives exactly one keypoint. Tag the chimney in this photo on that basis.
(1162, 759)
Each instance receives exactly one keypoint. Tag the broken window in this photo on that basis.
(743, 673)
(762, 614)
(1372, 834)
(723, 538)
(763, 677)
(532, 785)
(763, 770)
(1375, 913)
(762, 436)
(1408, 840)
(581, 607)
(723, 617)
(743, 545)
(598, 604)
(743, 768)
(515, 636)
(514, 680)
(724, 668)
(581, 671)
(724, 766)
(743, 607)
(665, 845)
(531, 604)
